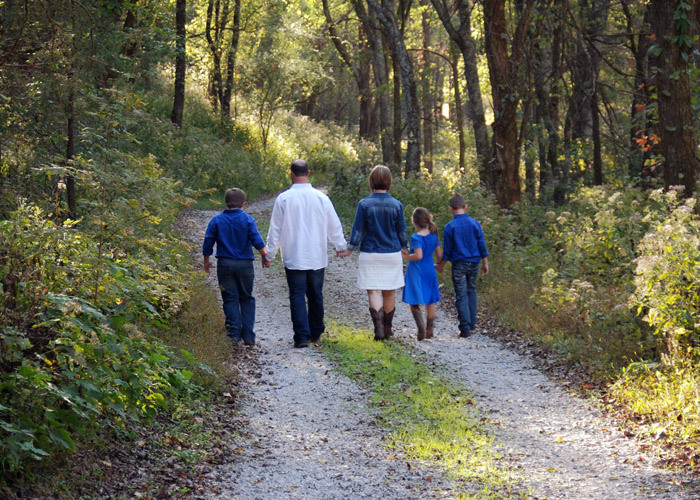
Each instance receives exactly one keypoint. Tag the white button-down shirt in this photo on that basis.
(303, 222)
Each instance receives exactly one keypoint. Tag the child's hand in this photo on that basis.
(484, 268)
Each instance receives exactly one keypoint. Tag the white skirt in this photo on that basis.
(380, 271)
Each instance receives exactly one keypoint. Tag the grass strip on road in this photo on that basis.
(430, 417)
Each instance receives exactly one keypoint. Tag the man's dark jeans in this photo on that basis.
(306, 285)
(236, 278)
(464, 276)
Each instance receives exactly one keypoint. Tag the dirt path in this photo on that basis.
(310, 433)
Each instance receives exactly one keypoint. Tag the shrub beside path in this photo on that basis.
(310, 432)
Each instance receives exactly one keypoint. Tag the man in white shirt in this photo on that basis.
(303, 221)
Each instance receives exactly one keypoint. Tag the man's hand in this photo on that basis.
(207, 264)
(440, 266)
(265, 263)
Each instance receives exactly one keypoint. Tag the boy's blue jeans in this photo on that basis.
(236, 283)
(306, 285)
(464, 276)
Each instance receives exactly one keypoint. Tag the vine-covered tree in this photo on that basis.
(674, 29)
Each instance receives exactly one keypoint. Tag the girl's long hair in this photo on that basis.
(424, 219)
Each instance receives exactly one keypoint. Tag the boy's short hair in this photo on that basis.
(457, 201)
(380, 178)
(235, 198)
(300, 168)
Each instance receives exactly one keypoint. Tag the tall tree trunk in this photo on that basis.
(364, 85)
(590, 22)
(375, 38)
(70, 152)
(548, 156)
(386, 16)
(180, 62)
(503, 71)
(427, 94)
(459, 115)
(639, 147)
(217, 81)
(597, 148)
(381, 76)
(530, 179)
(462, 37)
(231, 60)
(672, 80)
(545, 170)
(397, 131)
(356, 65)
(131, 46)
(547, 71)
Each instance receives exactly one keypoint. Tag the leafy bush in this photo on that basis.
(74, 350)
(667, 275)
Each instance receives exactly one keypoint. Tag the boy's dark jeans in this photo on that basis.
(464, 276)
(306, 285)
(236, 278)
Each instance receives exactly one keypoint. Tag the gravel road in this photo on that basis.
(310, 432)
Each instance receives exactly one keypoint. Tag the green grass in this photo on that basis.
(430, 418)
(200, 330)
(662, 403)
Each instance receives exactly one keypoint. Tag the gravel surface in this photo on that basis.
(310, 433)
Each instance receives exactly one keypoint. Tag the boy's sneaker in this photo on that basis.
(464, 335)
(301, 344)
(250, 343)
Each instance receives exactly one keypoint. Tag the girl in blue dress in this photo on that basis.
(421, 278)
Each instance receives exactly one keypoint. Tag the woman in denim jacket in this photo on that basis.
(380, 232)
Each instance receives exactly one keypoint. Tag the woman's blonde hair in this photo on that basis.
(422, 218)
(380, 178)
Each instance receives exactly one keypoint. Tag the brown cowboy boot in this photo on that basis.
(418, 317)
(429, 328)
(388, 320)
(378, 320)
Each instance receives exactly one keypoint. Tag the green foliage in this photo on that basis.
(667, 275)
(662, 403)
(74, 350)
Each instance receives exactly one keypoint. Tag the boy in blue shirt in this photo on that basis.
(235, 234)
(464, 246)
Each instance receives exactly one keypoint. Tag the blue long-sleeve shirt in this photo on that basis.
(463, 239)
(235, 234)
(379, 225)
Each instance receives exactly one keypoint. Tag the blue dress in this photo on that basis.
(421, 278)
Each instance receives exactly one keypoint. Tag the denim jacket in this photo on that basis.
(379, 225)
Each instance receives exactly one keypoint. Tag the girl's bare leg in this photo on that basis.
(430, 315)
(430, 311)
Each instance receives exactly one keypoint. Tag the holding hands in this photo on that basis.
(343, 253)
